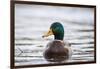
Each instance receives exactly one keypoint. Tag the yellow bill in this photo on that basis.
(48, 33)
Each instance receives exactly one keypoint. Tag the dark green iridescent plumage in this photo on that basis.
(57, 30)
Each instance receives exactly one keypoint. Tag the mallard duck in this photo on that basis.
(57, 50)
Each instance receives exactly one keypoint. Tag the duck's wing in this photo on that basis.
(68, 46)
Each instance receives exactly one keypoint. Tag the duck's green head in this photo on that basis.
(57, 30)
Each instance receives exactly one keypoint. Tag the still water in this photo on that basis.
(32, 21)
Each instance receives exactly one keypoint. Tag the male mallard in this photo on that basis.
(57, 50)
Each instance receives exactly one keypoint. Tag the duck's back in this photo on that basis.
(56, 51)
